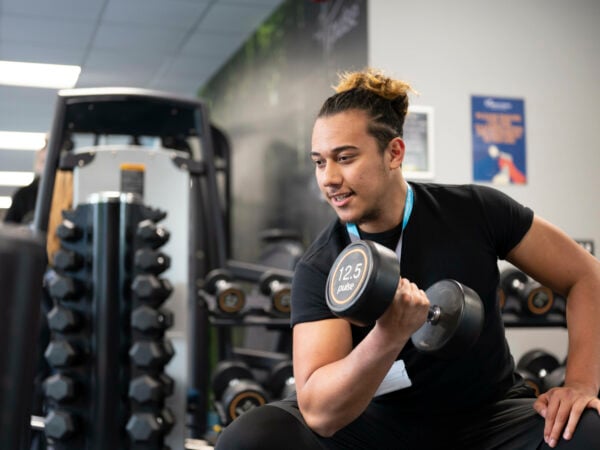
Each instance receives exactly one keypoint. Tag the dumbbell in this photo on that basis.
(556, 378)
(361, 286)
(281, 381)
(508, 303)
(64, 288)
(230, 298)
(152, 234)
(151, 354)
(151, 289)
(538, 362)
(279, 290)
(63, 319)
(145, 389)
(531, 380)
(537, 300)
(60, 353)
(60, 425)
(67, 260)
(149, 427)
(68, 231)
(236, 392)
(150, 320)
(152, 261)
(59, 388)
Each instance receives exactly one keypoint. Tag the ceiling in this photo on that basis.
(168, 45)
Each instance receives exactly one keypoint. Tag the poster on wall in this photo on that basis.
(499, 151)
(418, 139)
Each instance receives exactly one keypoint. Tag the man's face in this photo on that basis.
(351, 171)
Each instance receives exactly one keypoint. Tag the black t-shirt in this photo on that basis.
(456, 232)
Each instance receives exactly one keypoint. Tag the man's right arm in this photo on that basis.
(335, 382)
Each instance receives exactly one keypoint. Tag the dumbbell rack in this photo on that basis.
(523, 310)
(248, 369)
(549, 321)
(107, 347)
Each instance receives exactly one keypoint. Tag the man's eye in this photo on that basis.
(318, 162)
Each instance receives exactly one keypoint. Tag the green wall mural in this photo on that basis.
(266, 98)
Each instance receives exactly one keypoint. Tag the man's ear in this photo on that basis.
(396, 152)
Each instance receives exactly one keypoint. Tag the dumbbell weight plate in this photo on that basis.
(539, 362)
(225, 371)
(531, 380)
(556, 378)
(281, 378)
(460, 323)
(280, 291)
(512, 280)
(241, 396)
(540, 300)
(360, 286)
(229, 297)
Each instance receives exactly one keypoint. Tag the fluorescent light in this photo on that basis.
(38, 75)
(5, 202)
(16, 178)
(16, 140)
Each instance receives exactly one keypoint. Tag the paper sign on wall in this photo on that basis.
(498, 127)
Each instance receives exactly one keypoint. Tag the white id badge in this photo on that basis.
(396, 379)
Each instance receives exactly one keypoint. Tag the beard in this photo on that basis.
(370, 215)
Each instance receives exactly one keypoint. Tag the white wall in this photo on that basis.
(544, 51)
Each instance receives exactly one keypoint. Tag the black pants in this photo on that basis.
(510, 424)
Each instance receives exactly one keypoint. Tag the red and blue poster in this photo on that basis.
(498, 140)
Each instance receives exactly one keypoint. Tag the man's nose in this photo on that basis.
(331, 175)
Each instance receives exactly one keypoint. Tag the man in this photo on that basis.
(474, 401)
(22, 207)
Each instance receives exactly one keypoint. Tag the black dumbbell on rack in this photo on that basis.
(279, 290)
(236, 390)
(534, 366)
(533, 299)
(280, 381)
(229, 296)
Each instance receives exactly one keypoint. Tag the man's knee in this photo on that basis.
(265, 428)
(586, 436)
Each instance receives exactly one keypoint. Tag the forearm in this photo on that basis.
(583, 311)
(337, 393)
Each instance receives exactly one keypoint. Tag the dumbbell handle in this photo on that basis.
(222, 283)
(37, 423)
(434, 314)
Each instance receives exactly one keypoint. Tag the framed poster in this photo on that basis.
(418, 138)
(498, 127)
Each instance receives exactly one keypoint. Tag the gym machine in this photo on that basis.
(22, 259)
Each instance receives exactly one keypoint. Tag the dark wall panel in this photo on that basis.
(266, 99)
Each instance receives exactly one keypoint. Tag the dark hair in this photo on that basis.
(383, 99)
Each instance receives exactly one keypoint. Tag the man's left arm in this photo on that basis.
(554, 259)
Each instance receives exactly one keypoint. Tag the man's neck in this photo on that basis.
(393, 215)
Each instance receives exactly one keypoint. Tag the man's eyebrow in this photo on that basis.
(336, 150)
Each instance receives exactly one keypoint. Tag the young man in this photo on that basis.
(22, 207)
(474, 401)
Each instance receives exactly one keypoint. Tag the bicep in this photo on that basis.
(550, 256)
(317, 344)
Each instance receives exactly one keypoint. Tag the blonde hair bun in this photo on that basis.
(375, 81)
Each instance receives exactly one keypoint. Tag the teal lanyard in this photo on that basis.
(408, 206)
